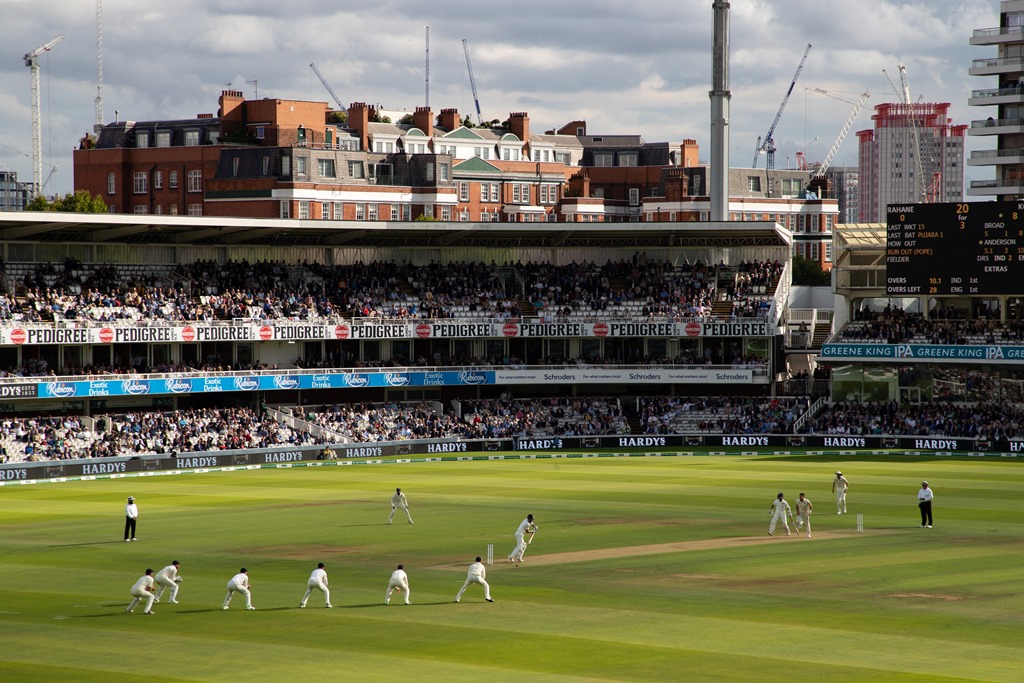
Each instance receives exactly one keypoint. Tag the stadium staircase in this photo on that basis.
(636, 425)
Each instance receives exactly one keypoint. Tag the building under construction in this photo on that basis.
(913, 154)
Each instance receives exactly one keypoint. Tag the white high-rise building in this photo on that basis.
(913, 154)
(1006, 121)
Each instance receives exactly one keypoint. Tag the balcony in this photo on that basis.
(996, 157)
(999, 187)
(997, 127)
(998, 35)
(996, 66)
(1014, 95)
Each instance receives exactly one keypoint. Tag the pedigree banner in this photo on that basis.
(36, 334)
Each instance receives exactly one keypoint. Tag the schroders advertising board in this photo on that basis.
(32, 335)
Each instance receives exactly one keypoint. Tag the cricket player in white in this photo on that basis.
(779, 510)
(168, 578)
(803, 514)
(239, 582)
(525, 527)
(477, 574)
(143, 590)
(399, 581)
(399, 501)
(839, 486)
(317, 580)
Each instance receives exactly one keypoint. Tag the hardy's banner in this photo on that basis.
(36, 334)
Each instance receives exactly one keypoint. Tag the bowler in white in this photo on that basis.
(168, 578)
(477, 574)
(399, 581)
(839, 486)
(239, 583)
(143, 590)
(317, 581)
(803, 514)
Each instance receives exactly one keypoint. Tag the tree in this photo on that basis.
(79, 202)
(809, 274)
(337, 117)
(468, 122)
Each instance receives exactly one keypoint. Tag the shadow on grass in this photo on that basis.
(66, 545)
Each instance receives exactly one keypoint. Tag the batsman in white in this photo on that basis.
(143, 590)
(240, 583)
(525, 527)
(168, 578)
(779, 510)
(317, 580)
(399, 581)
(803, 514)
(477, 574)
(399, 501)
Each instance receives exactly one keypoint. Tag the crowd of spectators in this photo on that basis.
(893, 325)
(889, 418)
(720, 414)
(206, 291)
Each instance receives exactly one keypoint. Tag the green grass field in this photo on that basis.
(712, 598)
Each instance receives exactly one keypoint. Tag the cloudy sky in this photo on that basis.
(623, 66)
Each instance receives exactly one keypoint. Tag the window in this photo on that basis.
(814, 250)
(801, 223)
(163, 138)
(142, 139)
(430, 173)
(285, 209)
(172, 209)
(326, 167)
(339, 212)
(828, 252)
(235, 163)
(191, 139)
(604, 159)
(628, 159)
(517, 197)
(829, 218)
(634, 196)
(300, 167)
(195, 209)
(325, 211)
(446, 213)
(672, 215)
(383, 174)
(428, 211)
(495, 192)
(482, 152)
(444, 171)
(261, 132)
(265, 166)
(406, 212)
(286, 167)
(303, 210)
(195, 182)
(111, 183)
(158, 180)
(140, 208)
(506, 154)
(464, 216)
(463, 191)
(753, 183)
(371, 212)
(790, 187)
(355, 169)
(140, 182)
(360, 212)
(158, 209)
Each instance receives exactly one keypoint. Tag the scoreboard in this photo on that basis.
(954, 249)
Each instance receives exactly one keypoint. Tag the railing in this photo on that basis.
(993, 153)
(997, 31)
(978, 184)
(992, 123)
(998, 92)
(997, 61)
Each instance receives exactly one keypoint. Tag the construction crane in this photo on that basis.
(857, 106)
(426, 70)
(327, 85)
(32, 62)
(903, 92)
(472, 81)
(766, 144)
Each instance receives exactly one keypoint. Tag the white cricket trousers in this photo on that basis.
(312, 585)
(232, 587)
(164, 584)
(775, 518)
(475, 579)
(139, 597)
(395, 585)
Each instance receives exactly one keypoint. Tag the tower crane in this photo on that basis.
(767, 143)
(857, 106)
(99, 67)
(472, 81)
(32, 62)
(327, 85)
